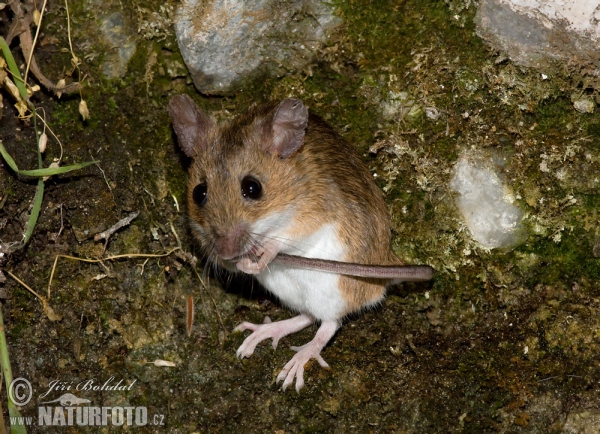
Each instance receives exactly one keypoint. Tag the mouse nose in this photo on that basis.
(230, 244)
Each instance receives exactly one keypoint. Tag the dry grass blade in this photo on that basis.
(35, 211)
(108, 258)
(52, 316)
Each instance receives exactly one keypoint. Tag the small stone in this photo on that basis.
(228, 43)
(492, 220)
(583, 104)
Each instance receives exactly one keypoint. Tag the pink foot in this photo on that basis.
(311, 350)
(268, 329)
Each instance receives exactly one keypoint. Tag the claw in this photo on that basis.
(245, 326)
(274, 330)
(312, 350)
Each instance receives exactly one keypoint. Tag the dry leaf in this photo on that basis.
(99, 277)
(83, 110)
(52, 165)
(36, 17)
(60, 86)
(43, 142)
(164, 363)
(52, 316)
(22, 108)
(12, 88)
(32, 89)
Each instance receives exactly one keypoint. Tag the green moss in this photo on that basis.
(466, 331)
(555, 117)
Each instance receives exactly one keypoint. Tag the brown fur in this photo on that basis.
(325, 181)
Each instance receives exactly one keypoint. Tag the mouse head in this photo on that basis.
(244, 185)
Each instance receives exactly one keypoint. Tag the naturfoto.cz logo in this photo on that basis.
(71, 410)
(94, 416)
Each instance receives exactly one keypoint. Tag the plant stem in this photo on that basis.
(13, 412)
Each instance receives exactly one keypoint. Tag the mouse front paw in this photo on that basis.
(265, 254)
(250, 267)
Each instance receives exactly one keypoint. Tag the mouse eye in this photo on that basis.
(199, 194)
(251, 188)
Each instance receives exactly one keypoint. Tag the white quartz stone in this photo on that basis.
(484, 204)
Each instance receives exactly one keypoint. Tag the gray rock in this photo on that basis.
(536, 32)
(108, 32)
(227, 43)
(115, 35)
(582, 422)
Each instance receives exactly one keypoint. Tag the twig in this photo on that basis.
(143, 266)
(190, 315)
(121, 223)
(104, 175)
(151, 195)
(37, 32)
(62, 226)
(69, 31)
(26, 43)
(74, 59)
(175, 233)
(109, 258)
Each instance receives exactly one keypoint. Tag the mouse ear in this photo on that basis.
(289, 124)
(191, 124)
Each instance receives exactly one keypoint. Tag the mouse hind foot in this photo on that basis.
(274, 330)
(312, 350)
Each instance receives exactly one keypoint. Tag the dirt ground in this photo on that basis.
(500, 341)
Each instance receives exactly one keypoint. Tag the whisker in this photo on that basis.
(288, 242)
(207, 264)
(268, 269)
(272, 237)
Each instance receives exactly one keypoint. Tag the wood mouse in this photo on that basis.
(278, 179)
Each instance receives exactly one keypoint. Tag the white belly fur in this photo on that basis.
(312, 292)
